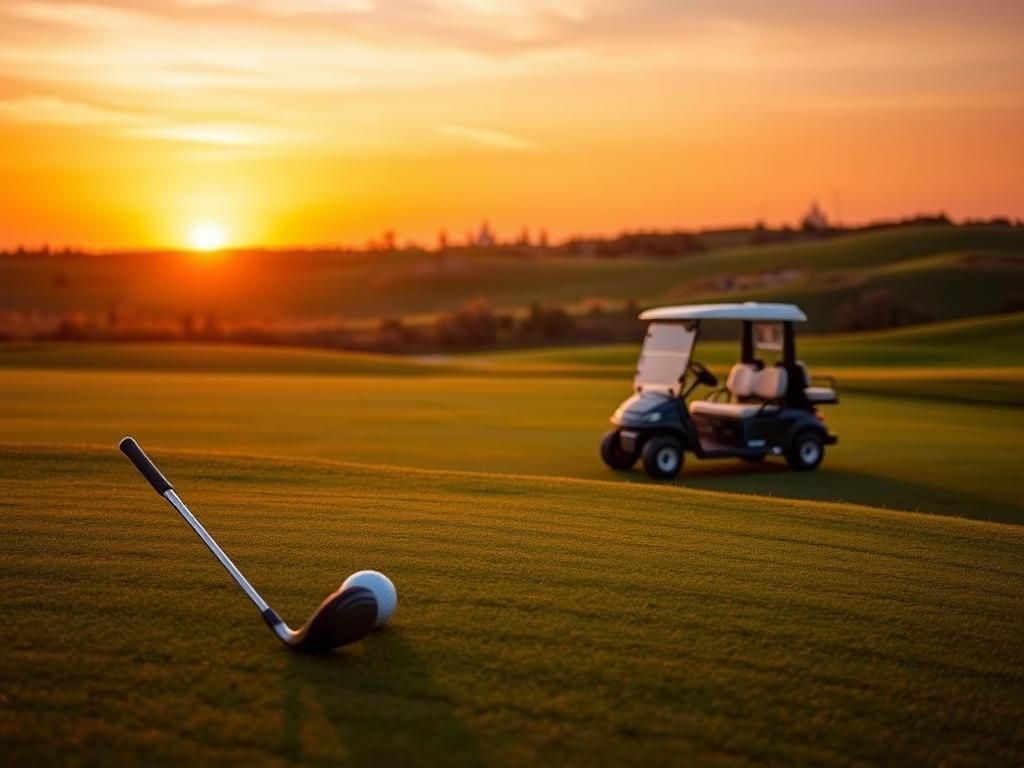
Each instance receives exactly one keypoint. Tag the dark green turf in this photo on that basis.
(541, 621)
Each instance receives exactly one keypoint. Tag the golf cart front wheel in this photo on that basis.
(613, 454)
(806, 452)
(663, 457)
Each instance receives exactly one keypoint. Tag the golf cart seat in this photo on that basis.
(818, 395)
(756, 390)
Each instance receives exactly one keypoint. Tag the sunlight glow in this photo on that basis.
(207, 236)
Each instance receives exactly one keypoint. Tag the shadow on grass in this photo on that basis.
(774, 478)
(373, 703)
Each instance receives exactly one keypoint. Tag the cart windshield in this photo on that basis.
(665, 357)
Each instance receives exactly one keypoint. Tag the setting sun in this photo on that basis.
(207, 236)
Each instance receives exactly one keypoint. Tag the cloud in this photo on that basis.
(47, 110)
(211, 70)
(487, 138)
(216, 134)
(84, 15)
(317, 7)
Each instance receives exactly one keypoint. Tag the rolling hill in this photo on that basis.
(944, 272)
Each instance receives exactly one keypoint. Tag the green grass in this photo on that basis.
(985, 342)
(205, 358)
(906, 453)
(552, 611)
(541, 620)
(974, 361)
(979, 343)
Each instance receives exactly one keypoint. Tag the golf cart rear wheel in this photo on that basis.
(806, 452)
(612, 453)
(663, 457)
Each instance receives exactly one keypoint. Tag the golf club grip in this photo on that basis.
(142, 463)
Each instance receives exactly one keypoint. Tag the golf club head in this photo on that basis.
(343, 617)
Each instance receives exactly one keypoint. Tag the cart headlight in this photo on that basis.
(652, 418)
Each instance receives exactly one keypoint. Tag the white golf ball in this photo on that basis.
(382, 588)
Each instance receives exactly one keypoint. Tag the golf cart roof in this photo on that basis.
(750, 310)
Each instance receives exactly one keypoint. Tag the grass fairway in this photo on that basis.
(928, 453)
(542, 620)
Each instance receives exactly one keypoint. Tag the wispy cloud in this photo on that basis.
(486, 137)
(47, 110)
(317, 7)
(85, 15)
(217, 134)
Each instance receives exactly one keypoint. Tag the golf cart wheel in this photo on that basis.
(806, 452)
(612, 453)
(663, 457)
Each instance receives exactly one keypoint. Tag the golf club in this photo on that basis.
(343, 617)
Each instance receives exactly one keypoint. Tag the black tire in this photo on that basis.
(612, 453)
(806, 451)
(663, 457)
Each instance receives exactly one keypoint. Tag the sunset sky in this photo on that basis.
(128, 123)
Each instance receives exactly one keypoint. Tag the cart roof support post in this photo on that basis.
(747, 342)
(788, 345)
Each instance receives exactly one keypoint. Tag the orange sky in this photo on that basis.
(127, 123)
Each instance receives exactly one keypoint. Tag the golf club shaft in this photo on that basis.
(214, 547)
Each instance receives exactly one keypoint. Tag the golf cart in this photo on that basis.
(763, 409)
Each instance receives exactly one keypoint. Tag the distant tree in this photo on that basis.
(394, 334)
(211, 327)
(547, 323)
(472, 325)
(69, 328)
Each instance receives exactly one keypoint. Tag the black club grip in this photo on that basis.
(142, 463)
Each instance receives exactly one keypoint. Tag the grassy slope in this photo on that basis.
(904, 453)
(382, 285)
(542, 620)
(977, 360)
(206, 358)
(981, 343)
(985, 342)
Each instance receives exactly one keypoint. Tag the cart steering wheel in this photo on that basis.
(704, 376)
